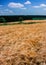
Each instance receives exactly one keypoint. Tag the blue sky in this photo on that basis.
(22, 7)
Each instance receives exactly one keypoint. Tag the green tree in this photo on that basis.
(2, 19)
(20, 19)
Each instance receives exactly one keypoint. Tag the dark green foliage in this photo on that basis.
(20, 19)
(38, 18)
(2, 19)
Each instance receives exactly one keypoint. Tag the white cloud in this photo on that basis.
(41, 5)
(36, 7)
(27, 2)
(15, 5)
(8, 11)
(24, 8)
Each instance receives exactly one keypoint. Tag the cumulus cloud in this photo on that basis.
(41, 5)
(27, 2)
(15, 5)
(36, 7)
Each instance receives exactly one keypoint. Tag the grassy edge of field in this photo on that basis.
(3, 24)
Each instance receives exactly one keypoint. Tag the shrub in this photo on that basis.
(2, 20)
(20, 19)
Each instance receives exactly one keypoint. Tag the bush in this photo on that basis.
(2, 20)
(20, 19)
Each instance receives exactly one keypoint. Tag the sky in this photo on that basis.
(22, 7)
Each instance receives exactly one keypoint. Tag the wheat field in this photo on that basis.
(23, 44)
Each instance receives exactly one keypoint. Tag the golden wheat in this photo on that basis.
(23, 44)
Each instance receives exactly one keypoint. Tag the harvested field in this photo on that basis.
(23, 44)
